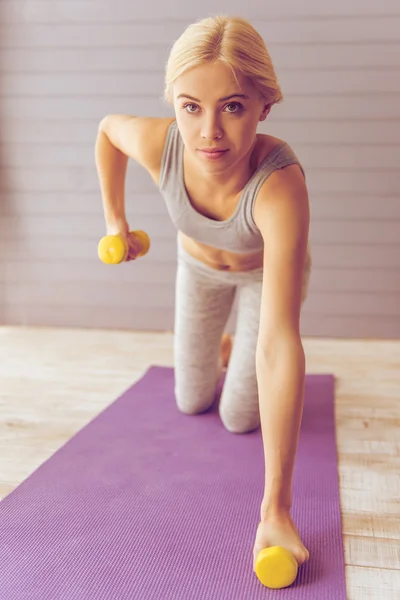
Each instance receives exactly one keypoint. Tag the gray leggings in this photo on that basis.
(203, 302)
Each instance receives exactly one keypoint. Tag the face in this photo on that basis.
(217, 114)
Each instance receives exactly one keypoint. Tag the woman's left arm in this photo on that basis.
(282, 214)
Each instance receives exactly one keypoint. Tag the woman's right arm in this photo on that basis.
(112, 162)
(119, 138)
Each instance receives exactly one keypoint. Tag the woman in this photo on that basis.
(239, 201)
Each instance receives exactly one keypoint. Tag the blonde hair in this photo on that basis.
(230, 40)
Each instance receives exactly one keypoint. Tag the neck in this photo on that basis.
(231, 181)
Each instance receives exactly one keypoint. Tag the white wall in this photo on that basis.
(66, 64)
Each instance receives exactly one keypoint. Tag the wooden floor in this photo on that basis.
(54, 381)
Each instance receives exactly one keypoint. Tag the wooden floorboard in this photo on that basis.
(54, 381)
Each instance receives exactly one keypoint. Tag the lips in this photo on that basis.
(213, 154)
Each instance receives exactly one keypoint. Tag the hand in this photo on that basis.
(279, 530)
(121, 228)
(118, 227)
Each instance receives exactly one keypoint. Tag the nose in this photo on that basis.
(211, 130)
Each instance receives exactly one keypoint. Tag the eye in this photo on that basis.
(235, 104)
(185, 106)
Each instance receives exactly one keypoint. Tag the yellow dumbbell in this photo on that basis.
(276, 567)
(113, 249)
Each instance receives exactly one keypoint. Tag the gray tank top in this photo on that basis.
(238, 233)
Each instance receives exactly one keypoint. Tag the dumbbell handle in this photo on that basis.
(113, 249)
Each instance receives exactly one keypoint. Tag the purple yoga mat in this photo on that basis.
(147, 503)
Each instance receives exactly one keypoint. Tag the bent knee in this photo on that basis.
(193, 404)
(239, 422)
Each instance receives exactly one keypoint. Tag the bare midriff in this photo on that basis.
(221, 260)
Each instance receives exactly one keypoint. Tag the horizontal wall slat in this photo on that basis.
(49, 11)
(327, 255)
(162, 295)
(162, 320)
(323, 207)
(356, 280)
(290, 58)
(93, 35)
(44, 248)
(379, 181)
(312, 157)
(347, 304)
(317, 83)
(381, 327)
(69, 228)
(95, 294)
(79, 131)
(356, 108)
(153, 272)
(149, 271)
(145, 319)
(358, 232)
(356, 207)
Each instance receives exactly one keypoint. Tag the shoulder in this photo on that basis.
(282, 201)
(152, 138)
(140, 138)
(266, 144)
(287, 181)
(154, 144)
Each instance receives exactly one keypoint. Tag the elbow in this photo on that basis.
(276, 351)
(103, 124)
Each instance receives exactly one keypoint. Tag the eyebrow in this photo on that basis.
(220, 100)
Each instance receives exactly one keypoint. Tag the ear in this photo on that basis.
(265, 112)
